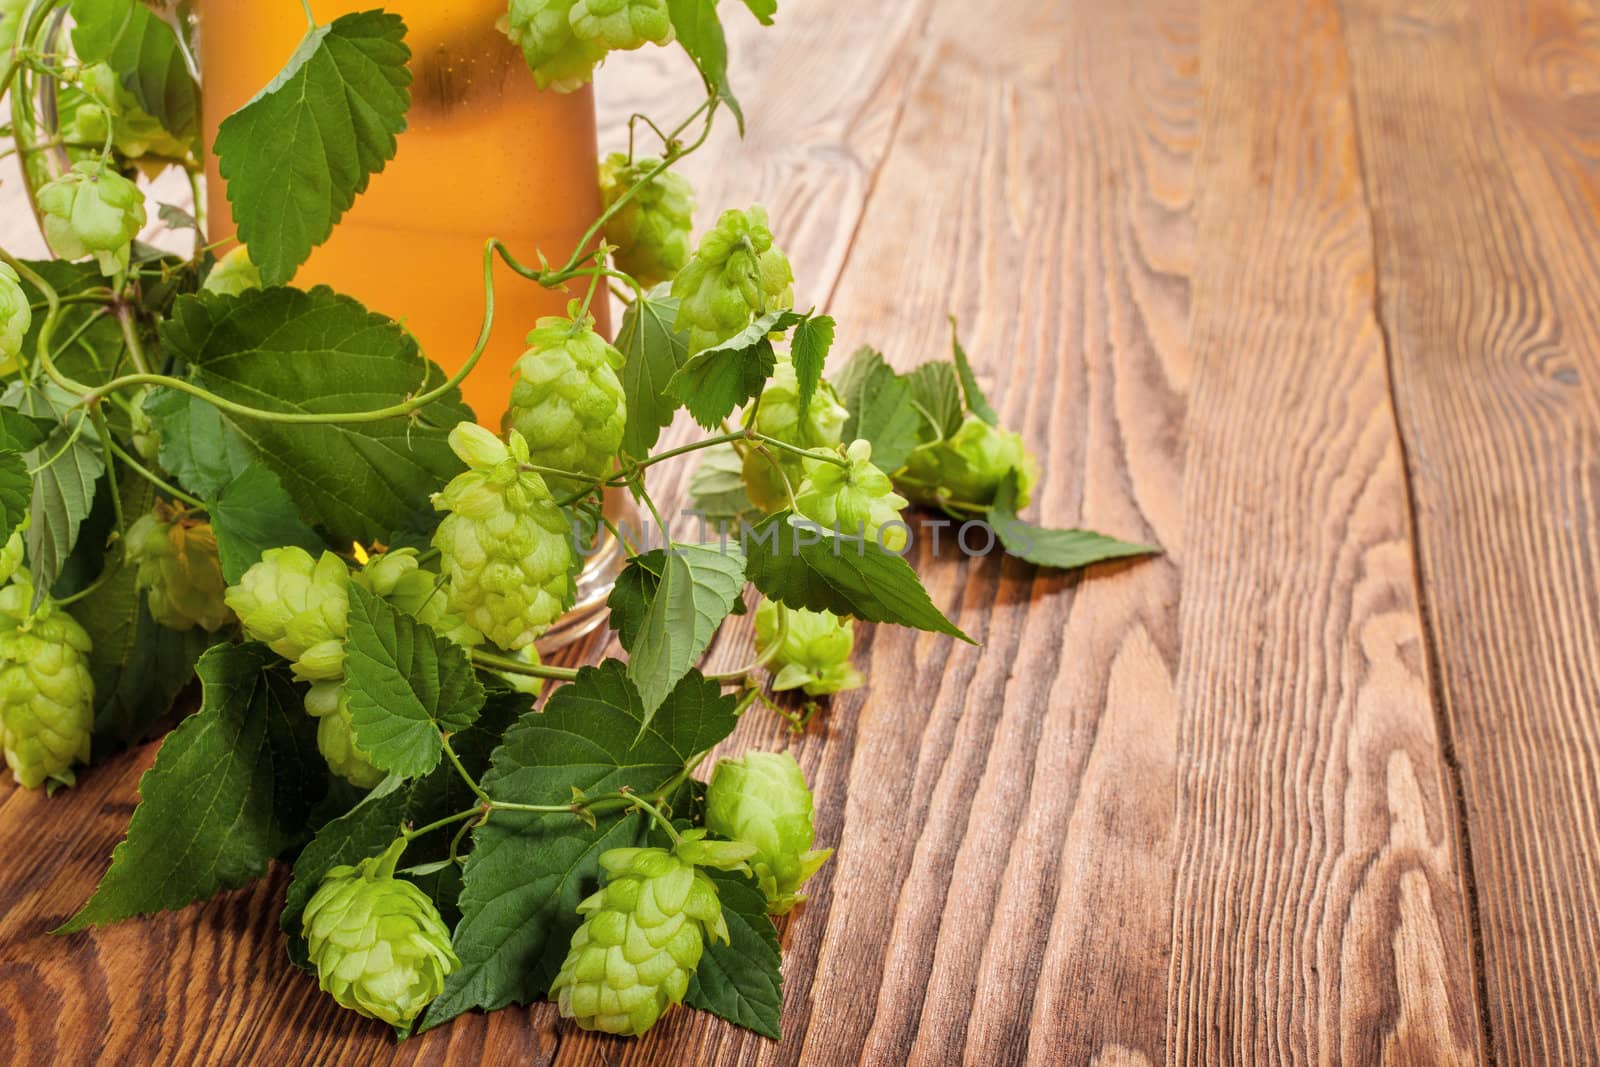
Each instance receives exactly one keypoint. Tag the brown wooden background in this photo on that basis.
(1308, 291)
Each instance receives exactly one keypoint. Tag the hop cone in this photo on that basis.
(234, 273)
(298, 607)
(109, 108)
(378, 943)
(11, 553)
(567, 402)
(651, 230)
(329, 704)
(857, 501)
(761, 799)
(543, 30)
(46, 692)
(505, 547)
(968, 466)
(813, 649)
(15, 315)
(643, 934)
(179, 572)
(735, 275)
(777, 414)
(620, 25)
(92, 210)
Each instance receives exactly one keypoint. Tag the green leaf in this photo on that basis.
(881, 411)
(697, 588)
(67, 466)
(198, 446)
(296, 156)
(699, 30)
(405, 685)
(653, 353)
(804, 567)
(145, 53)
(228, 792)
(937, 394)
(977, 403)
(741, 981)
(763, 10)
(718, 379)
(528, 871)
(1052, 548)
(95, 338)
(318, 352)
(252, 514)
(813, 336)
(717, 485)
(632, 593)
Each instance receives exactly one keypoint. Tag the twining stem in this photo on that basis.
(516, 666)
(661, 820)
(154, 479)
(784, 446)
(421, 831)
(455, 761)
(130, 338)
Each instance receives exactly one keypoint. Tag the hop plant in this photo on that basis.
(108, 109)
(329, 704)
(736, 274)
(505, 546)
(146, 438)
(10, 22)
(769, 474)
(968, 466)
(856, 500)
(620, 25)
(651, 230)
(567, 401)
(761, 799)
(92, 210)
(15, 315)
(543, 30)
(378, 943)
(234, 273)
(643, 934)
(810, 650)
(298, 607)
(46, 691)
(11, 553)
(179, 572)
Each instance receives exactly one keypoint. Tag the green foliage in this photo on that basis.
(699, 30)
(254, 513)
(740, 980)
(717, 379)
(696, 590)
(880, 406)
(1052, 548)
(653, 351)
(69, 463)
(147, 58)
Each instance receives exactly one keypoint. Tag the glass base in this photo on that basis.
(598, 578)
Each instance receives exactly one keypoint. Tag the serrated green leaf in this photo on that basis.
(630, 596)
(937, 395)
(144, 52)
(652, 354)
(699, 30)
(1052, 548)
(65, 468)
(528, 871)
(808, 568)
(16, 492)
(252, 514)
(697, 588)
(318, 352)
(741, 981)
(881, 411)
(977, 403)
(718, 379)
(405, 684)
(716, 487)
(197, 446)
(297, 155)
(813, 337)
(228, 792)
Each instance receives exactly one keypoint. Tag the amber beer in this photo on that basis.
(485, 154)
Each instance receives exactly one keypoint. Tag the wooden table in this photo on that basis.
(1308, 292)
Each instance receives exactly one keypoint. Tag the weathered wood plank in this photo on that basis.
(1479, 124)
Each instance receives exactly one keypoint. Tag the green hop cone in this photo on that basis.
(106, 108)
(810, 650)
(15, 315)
(298, 607)
(651, 230)
(329, 704)
(543, 30)
(234, 273)
(179, 572)
(643, 934)
(377, 941)
(46, 691)
(92, 210)
(505, 547)
(769, 475)
(736, 274)
(857, 500)
(968, 467)
(567, 401)
(761, 799)
(620, 25)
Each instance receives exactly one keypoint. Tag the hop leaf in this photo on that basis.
(46, 691)
(297, 607)
(179, 572)
(15, 315)
(736, 274)
(857, 500)
(505, 547)
(812, 648)
(769, 475)
(92, 210)
(651, 230)
(620, 25)
(329, 704)
(378, 944)
(761, 799)
(967, 467)
(234, 273)
(543, 30)
(567, 401)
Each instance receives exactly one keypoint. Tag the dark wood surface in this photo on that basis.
(1307, 291)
